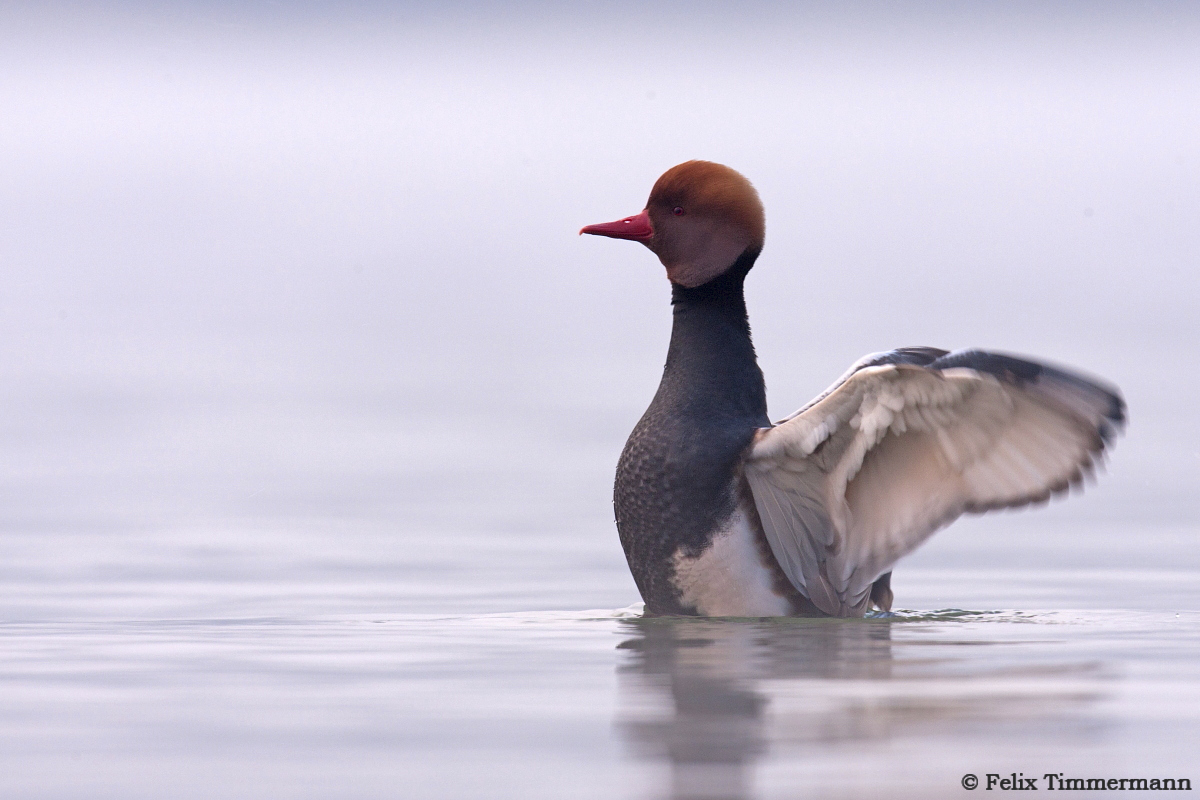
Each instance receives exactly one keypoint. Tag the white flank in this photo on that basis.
(729, 578)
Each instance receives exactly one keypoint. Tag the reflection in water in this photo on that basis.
(713, 698)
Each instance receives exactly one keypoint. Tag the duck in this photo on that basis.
(722, 513)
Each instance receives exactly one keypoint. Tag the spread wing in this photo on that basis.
(905, 443)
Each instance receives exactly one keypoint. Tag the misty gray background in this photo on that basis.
(294, 293)
(277, 264)
(312, 272)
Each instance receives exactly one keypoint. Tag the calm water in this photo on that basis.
(310, 396)
(593, 704)
(341, 637)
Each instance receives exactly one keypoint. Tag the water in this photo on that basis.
(594, 704)
(311, 396)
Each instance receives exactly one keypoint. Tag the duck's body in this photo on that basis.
(722, 514)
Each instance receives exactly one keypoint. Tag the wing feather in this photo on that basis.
(899, 448)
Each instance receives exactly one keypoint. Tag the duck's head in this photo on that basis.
(700, 219)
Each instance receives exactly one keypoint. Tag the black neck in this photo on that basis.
(711, 366)
(724, 291)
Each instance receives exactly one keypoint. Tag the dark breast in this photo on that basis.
(676, 486)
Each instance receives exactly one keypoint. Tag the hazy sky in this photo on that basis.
(379, 198)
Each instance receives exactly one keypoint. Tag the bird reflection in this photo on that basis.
(710, 698)
(714, 730)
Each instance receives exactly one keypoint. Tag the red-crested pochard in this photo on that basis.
(722, 513)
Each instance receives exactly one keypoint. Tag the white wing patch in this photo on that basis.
(862, 476)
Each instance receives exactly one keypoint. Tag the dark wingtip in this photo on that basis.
(1107, 399)
(1116, 410)
(1003, 366)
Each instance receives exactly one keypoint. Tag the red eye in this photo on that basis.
(677, 211)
